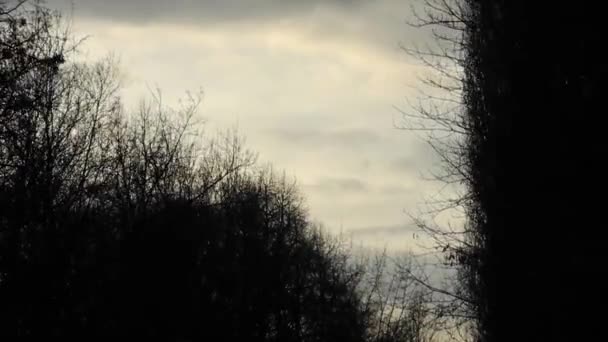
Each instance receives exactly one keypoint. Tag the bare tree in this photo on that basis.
(398, 306)
(133, 222)
(439, 115)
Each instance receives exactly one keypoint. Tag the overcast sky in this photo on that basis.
(311, 84)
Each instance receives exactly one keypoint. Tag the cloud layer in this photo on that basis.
(208, 10)
(311, 84)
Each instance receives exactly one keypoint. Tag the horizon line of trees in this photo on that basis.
(117, 222)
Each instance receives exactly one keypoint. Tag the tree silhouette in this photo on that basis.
(119, 223)
(439, 115)
(527, 253)
(524, 93)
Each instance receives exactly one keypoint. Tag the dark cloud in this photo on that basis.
(199, 10)
(380, 23)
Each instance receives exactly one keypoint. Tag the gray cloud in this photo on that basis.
(396, 190)
(381, 23)
(310, 83)
(341, 185)
(405, 164)
(396, 230)
(420, 158)
(200, 10)
(349, 138)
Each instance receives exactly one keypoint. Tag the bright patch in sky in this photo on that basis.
(311, 86)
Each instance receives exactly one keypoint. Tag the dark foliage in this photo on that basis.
(533, 83)
(114, 224)
(528, 96)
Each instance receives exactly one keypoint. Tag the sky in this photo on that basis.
(312, 85)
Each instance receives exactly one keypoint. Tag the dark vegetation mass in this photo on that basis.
(521, 84)
(117, 222)
(120, 222)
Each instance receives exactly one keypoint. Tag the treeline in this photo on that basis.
(135, 223)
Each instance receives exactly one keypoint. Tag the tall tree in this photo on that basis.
(525, 91)
(528, 85)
